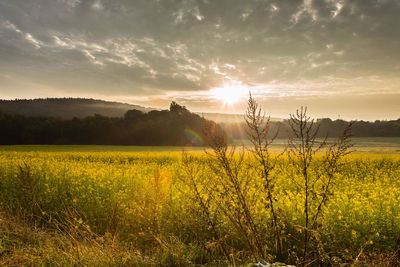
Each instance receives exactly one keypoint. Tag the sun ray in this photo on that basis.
(230, 94)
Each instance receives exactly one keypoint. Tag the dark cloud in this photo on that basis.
(156, 50)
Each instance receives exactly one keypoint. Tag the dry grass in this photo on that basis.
(22, 244)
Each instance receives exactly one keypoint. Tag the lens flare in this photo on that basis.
(193, 137)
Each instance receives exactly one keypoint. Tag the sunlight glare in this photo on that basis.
(230, 94)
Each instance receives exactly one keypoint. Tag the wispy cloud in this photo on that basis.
(26, 35)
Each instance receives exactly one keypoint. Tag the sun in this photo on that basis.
(230, 94)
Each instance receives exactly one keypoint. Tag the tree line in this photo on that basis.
(176, 126)
(327, 127)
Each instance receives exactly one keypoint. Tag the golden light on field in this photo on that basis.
(230, 94)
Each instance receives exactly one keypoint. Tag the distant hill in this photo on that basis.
(67, 108)
(227, 118)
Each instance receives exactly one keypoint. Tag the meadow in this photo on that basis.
(94, 205)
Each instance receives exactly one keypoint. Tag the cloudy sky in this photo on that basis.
(338, 57)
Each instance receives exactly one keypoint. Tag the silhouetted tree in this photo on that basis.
(174, 107)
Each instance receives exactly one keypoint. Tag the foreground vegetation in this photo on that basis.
(138, 208)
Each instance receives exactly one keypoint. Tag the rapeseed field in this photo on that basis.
(140, 209)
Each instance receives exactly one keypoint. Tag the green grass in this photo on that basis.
(362, 145)
(95, 148)
(371, 145)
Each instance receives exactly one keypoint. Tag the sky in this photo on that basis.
(340, 58)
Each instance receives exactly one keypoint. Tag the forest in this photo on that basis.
(176, 126)
(327, 128)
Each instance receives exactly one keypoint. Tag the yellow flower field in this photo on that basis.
(142, 200)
